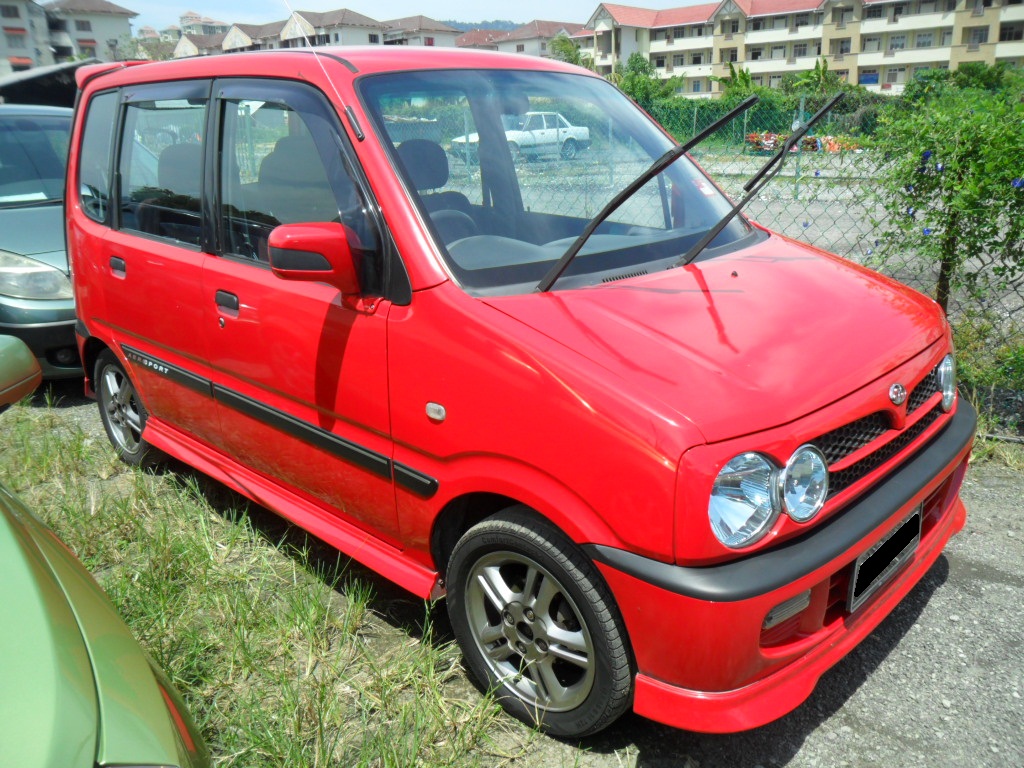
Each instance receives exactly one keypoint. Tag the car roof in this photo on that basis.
(34, 110)
(359, 60)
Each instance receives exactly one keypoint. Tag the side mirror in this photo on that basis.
(19, 371)
(316, 252)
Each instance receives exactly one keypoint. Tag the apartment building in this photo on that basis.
(879, 44)
(25, 42)
(419, 30)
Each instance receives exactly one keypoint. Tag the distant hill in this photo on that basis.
(466, 26)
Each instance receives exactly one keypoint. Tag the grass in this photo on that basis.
(286, 654)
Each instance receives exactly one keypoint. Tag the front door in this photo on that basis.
(299, 376)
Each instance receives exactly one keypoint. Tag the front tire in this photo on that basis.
(122, 412)
(570, 149)
(538, 626)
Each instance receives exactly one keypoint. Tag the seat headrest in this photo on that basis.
(426, 163)
(179, 169)
(294, 161)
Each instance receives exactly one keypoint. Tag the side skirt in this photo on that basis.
(386, 560)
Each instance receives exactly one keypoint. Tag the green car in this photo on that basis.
(76, 690)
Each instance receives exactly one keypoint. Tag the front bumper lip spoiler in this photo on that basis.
(767, 571)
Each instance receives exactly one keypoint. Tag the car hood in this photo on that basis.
(37, 232)
(742, 342)
(77, 665)
(49, 708)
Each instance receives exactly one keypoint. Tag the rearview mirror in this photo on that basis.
(316, 252)
(19, 371)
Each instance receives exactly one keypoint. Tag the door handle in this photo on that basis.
(118, 266)
(226, 300)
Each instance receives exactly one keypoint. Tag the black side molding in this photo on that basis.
(767, 571)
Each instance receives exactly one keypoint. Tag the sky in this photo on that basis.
(160, 14)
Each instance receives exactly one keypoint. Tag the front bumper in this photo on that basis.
(705, 662)
(48, 328)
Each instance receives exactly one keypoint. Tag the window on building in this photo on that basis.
(802, 20)
(780, 22)
(947, 37)
(927, 6)
(520, 48)
(373, 38)
(1009, 33)
(898, 10)
(871, 44)
(734, 26)
(843, 74)
(755, 54)
(89, 51)
(323, 39)
(337, 37)
(83, 26)
(698, 31)
(842, 16)
(15, 39)
(757, 79)
(897, 42)
(896, 75)
(799, 50)
(868, 77)
(778, 51)
(729, 54)
(874, 12)
(659, 62)
(659, 34)
(756, 25)
(774, 81)
(976, 35)
(924, 40)
(841, 46)
(697, 59)
(430, 41)
(679, 61)
(543, 45)
(10, 12)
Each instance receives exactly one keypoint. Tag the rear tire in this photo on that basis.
(538, 626)
(122, 412)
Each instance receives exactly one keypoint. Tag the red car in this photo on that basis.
(654, 455)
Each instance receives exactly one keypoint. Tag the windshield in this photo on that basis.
(33, 154)
(509, 166)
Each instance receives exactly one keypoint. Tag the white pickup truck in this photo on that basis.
(532, 135)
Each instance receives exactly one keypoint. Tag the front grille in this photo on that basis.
(850, 438)
(928, 386)
(838, 481)
(840, 443)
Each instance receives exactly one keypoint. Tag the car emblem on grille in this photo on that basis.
(897, 393)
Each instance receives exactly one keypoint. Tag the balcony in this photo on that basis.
(1010, 50)
(908, 22)
(681, 44)
(905, 56)
(1012, 13)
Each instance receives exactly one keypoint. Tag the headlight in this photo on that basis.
(947, 381)
(25, 278)
(744, 500)
(804, 483)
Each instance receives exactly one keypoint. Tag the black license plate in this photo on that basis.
(878, 564)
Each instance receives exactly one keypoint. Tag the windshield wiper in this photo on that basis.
(757, 182)
(630, 189)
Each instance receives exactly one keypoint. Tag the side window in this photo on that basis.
(161, 168)
(280, 163)
(95, 156)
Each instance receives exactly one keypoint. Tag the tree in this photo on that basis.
(564, 49)
(954, 189)
(737, 83)
(819, 80)
(639, 80)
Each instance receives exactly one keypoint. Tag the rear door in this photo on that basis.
(149, 271)
(300, 376)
